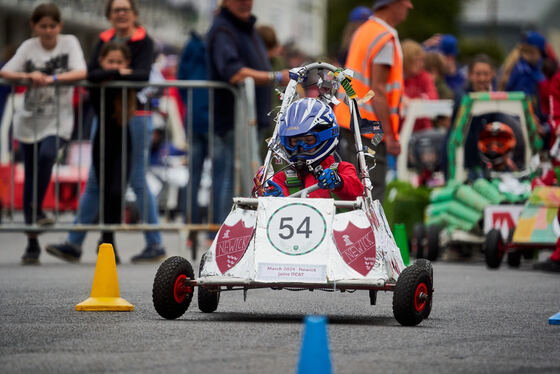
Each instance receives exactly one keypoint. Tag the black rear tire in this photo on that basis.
(170, 296)
(494, 249)
(529, 254)
(412, 298)
(432, 242)
(418, 241)
(208, 299)
(426, 264)
(514, 259)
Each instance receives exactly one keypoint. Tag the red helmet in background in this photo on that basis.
(494, 142)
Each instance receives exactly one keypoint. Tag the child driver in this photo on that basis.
(309, 134)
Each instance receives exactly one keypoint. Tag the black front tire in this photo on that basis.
(494, 249)
(208, 299)
(170, 296)
(412, 299)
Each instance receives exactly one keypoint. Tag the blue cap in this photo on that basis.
(360, 13)
(535, 39)
(448, 45)
(381, 3)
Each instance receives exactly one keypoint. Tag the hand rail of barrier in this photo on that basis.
(133, 84)
(245, 124)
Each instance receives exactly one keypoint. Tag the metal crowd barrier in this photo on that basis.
(246, 159)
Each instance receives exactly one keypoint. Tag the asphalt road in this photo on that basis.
(482, 322)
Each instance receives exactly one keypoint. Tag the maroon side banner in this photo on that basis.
(231, 244)
(356, 247)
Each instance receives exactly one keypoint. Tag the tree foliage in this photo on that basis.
(427, 18)
(337, 17)
(491, 47)
(431, 17)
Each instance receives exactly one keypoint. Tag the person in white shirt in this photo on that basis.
(45, 121)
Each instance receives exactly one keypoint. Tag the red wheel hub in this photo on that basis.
(180, 289)
(420, 297)
(501, 247)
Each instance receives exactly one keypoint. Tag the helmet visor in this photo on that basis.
(308, 141)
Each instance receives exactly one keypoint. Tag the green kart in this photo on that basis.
(476, 198)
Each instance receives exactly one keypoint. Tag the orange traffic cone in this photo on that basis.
(105, 294)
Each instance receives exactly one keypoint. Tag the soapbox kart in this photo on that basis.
(419, 169)
(298, 243)
(461, 215)
(537, 228)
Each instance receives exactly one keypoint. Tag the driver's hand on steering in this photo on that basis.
(329, 180)
(273, 189)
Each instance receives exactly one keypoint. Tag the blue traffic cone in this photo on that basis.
(555, 319)
(314, 355)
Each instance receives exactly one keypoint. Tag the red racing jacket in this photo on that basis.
(351, 185)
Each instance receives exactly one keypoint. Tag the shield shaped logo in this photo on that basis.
(357, 247)
(231, 244)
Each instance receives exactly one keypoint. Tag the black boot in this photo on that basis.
(32, 252)
(109, 238)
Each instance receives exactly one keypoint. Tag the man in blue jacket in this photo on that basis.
(235, 52)
(193, 66)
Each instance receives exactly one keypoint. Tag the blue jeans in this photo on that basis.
(199, 151)
(89, 202)
(222, 174)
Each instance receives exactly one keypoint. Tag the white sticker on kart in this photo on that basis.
(296, 229)
(293, 231)
(501, 217)
(291, 272)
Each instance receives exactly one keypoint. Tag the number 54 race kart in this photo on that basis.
(297, 242)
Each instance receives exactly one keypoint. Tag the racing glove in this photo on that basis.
(273, 189)
(329, 180)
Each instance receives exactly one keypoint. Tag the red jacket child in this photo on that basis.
(309, 134)
(350, 188)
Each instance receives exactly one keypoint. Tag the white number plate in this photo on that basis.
(296, 229)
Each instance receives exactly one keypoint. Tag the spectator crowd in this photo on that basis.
(234, 48)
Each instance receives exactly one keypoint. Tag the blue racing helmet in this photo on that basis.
(308, 131)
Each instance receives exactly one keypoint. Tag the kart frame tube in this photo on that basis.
(343, 285)
(253, 202)
(298, 75)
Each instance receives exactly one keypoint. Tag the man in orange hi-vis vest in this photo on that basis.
(375, 56)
